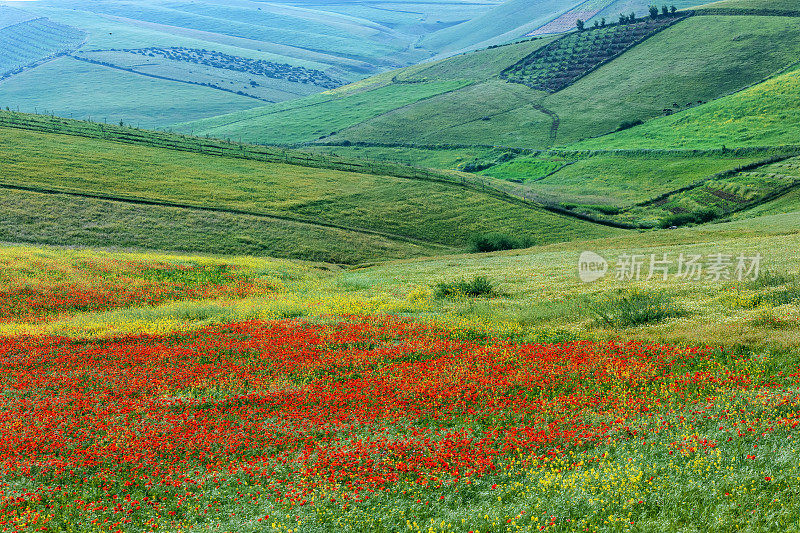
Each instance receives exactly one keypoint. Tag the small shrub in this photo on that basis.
(697, 217)
(767, 278)
(478, 286)
(495, 242)
(629, 124)
(632, 308)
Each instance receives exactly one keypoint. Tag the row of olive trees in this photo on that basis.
(666, 11)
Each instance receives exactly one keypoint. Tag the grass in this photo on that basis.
(762, 7)
(662, 75)
(764, 114)
(489, 113)
(462, 101)
(65, 220)
(726, 55)
(526, 169)
(29, 42)
(427, 213)
(728, 193)
(624, 179)
(500, 24)
(111, 95)
(441, 158)
(316, 117)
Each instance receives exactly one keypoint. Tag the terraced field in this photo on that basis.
(727, 194)
(26, 43)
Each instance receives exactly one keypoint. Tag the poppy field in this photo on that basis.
(385, 424)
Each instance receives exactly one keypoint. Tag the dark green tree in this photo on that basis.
(653, 12)
(623, 18)
(665, 10)
(632, 17)
(603, 22)
(673, 9)
(580, 24)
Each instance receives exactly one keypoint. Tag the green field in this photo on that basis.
(68, 220)
(26, 43)
(559, 64)
(727, 54)
(105, 94)
(317, 116)
(424, 213)
(662, 75)
(752, 6)
(440, 158)
(626, 178)
(763, 115)
(527, 169)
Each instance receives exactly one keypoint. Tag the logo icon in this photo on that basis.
(592, 267)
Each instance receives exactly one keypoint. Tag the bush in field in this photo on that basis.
(767, 278)
(631, 308)
(697, 217)
(629, 124)
(478, 286)
(494, 242)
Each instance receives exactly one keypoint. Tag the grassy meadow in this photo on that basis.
(431, 300)
(427, 214)
(337, 396)
(761, 115)
(94, 92)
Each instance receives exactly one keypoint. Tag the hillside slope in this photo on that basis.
(762, 115)
(237, 55)
(148, 196)
(508, 21)
(761, 7)
(515, 19)
(661, 75)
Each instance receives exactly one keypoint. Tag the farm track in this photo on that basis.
(554, 126)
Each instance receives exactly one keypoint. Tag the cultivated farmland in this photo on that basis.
(26, 43)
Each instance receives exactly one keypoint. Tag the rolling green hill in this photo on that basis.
(508, 21)
(516, 19)
(235, 55)
(759, 7)
(662, 75)
(351, 217)
(762, 115)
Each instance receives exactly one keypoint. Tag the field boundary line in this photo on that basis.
(219, 148)
(217, 209)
